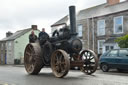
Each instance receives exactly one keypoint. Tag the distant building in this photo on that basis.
(12, 47)
(100, 25)
(59, 24)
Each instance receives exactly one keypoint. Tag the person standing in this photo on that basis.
(43, 36)
(32, 37)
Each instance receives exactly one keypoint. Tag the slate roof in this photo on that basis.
(16, 34)
(110, 40)
(95, 11)
(61, 21)
(103, 9)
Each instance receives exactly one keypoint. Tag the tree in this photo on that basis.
(122, 41)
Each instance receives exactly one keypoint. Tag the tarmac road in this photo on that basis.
(16, 75)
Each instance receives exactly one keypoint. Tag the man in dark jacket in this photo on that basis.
(43, 36)
(32, 37)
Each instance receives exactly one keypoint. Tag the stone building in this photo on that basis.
(100, 25)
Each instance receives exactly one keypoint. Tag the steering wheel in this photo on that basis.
(55, 33)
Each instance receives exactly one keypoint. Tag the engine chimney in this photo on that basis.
(72, 14)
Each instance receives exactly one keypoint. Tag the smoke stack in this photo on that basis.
(72, 13)
(113, 2)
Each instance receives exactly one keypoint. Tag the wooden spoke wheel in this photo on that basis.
(90, 62)
(32, 58)
(60, 63)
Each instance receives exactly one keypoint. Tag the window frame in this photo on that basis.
(98, 27)
(120, 52)
(99, 45)
(108, 55)
(115, 24)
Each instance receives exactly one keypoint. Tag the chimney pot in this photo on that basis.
(113, 2)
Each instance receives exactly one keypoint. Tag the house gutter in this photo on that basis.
(59, 24)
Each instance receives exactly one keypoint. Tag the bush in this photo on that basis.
(122, 41)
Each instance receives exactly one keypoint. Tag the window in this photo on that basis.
(123, 53)
(109, 47)
(113, 53)
(118, 25)
(9, 45)
(1, 57)
(100, 46)
(2, 46)
(5, 46)
(101, 27)
(80, 30)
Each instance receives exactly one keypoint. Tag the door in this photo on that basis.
(123, 59)
(112, 58)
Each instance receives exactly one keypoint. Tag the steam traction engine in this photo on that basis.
(62, 51)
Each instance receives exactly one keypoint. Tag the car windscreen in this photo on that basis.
(113, 53)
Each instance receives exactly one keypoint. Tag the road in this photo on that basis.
(16, 75)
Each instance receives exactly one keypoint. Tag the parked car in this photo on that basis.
(117, 59)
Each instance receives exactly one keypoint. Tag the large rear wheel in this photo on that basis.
(60, 63)
(32, 58)
(90, 62)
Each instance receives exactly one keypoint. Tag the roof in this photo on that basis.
(16, 34)
(103, 9)
(61, 21)
(96, 11)
(110, 40)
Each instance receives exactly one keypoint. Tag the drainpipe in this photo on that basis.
(93, 36)
(88, 34)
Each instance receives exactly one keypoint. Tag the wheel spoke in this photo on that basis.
(92, 57)
(32, 58)
(27, 53)
(59, 63)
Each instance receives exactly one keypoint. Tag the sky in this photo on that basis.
(21, 14)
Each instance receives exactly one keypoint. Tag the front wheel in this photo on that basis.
(60, 63)
(104, 67)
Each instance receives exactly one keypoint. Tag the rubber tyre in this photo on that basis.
(104, 67)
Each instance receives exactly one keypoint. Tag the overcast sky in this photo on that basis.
(21, 14)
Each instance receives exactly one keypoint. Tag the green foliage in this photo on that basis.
(122, 41)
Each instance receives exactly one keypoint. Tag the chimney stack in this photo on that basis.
(34, 27)
(113, 2)
(8, 34)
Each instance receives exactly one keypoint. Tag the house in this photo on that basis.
(100, 25)
(12, 47)
(60, 23)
